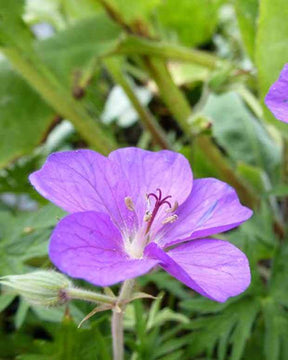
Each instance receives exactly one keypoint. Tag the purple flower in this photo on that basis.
(277, 97)
(136, 209)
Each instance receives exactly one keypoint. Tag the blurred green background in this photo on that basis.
(185, 75)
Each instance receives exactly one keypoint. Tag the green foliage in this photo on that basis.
(24, 238)
(150, 334)
(66, 342)
(25, 117)
(229, 328)
(136, 12)
(12, 28)
(73, 50)
(247, 13)
(240, 134)
(271, 52)
(188, 19)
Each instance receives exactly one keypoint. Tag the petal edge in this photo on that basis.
(214, 268)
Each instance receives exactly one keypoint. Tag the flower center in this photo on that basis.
(135, 246)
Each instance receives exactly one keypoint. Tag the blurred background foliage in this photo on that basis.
(186, 75)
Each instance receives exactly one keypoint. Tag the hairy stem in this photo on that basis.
(117, 319)
(81, 294)
(145, 116)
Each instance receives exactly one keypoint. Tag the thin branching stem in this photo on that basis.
(145, 116)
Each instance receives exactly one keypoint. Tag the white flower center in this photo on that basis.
(135, 246)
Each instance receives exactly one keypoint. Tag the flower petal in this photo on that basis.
(84, 180)
(277, 97)
(88, 246)
(146, 171)
(212, 207)
(214, 268)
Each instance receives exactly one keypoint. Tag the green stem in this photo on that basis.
(132, 45)
(117, 319)
(172, 96)
(44, 82)
(145, 116)
(81, 294)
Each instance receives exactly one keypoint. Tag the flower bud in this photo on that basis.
(45, 287)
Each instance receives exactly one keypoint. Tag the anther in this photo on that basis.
(147, 216)
(129, 203)
(173, 208)
(170, 219)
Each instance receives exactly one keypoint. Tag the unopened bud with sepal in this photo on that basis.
(51, 288)
(44, 287)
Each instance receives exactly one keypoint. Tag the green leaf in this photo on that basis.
(256, 237)
(189, 19)
(201, 165)
(240, 134)
(12, 27)
(164, 282)
(203, 305)
(69, 342)
(57, 314)
(278, 283)
(14, 179)
(170, 347)
(73, 49)
(255, 177)
(166, 315)
(21, 313)
(135, 12)
(25, 237)
(78, 10)
(272, 334)
(231, 327)
(247, 12)
(25, 117)
(45, 12)
(271, 48)
(6, 300)
(279, 191)
(243, 329)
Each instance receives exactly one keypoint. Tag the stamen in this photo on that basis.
(129, 203)
(173, 208)
(170, 219)
(147, 216)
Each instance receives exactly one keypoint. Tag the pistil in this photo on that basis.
(150, 216)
